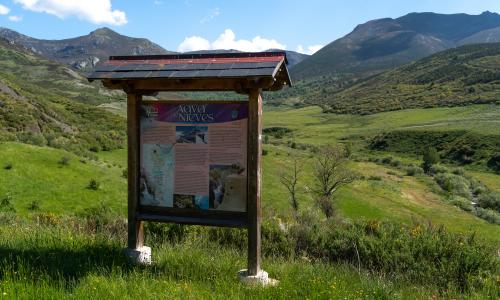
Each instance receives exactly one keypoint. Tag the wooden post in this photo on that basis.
(135, 227)
(254, 180)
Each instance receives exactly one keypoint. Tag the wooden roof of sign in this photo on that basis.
(203, 72)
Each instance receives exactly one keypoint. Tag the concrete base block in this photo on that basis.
(140, 256)
(261, 279)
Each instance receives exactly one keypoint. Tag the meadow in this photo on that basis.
(69, 244)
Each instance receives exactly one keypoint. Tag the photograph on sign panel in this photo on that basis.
(191, 201)
(157, 172)
(227, 188)
(191, 134)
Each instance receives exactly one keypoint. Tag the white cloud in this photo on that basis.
(4, 10)
(310, 49)
(94, 11)
(158, 2)
(227, 40)
(15, 18)
(193, 43)
(212, 14)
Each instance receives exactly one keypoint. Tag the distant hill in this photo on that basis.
(465, 75)
(84, 52)
(386, 43)
(47, 103)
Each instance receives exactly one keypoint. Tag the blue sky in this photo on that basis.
(194, 24)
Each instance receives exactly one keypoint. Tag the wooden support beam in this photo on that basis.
(143, 86)
(254, 180)
(135, 227)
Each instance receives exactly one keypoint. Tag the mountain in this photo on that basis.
(455, 77)
(292, 57)
(386, 43)
(84, 52)
(47, 103)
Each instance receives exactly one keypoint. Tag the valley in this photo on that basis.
(386, 93)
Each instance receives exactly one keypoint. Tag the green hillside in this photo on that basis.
(461, 76)
(46, 103)
(456, 77)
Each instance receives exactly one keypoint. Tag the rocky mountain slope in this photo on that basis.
(47, 103)
(84, 52)
(386, 43)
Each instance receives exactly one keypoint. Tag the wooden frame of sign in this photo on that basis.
(244, 73)
(250, 219)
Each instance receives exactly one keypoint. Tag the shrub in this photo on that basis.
(266, 139)
(437, 169)
(277, 132)
(430, 158)
(413, 170)
(494, 162)
(6, 205)
(264, 152)
(461, 202)
(489, 215)
(8, 166)
(375, 178)
(93, 185)
(454, 184)
(489, 200)
(396, 163)
(34, 205)
(64, 161)
(387, 160)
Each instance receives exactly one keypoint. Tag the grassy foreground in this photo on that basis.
(66, 260)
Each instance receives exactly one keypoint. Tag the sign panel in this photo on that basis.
(193, 155)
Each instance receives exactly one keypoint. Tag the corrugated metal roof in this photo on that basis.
(194, 66)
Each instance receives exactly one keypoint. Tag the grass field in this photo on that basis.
(59, 262)
(312, 126)
(37, 175)
(82, 265)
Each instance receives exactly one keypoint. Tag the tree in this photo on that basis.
(330, 172)
(290, 181)
(431, 157)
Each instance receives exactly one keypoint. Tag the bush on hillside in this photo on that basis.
(488, 214)
(6, 205)
(494, 162)
(277, 132)
(34, 205)
(430, 158)
(490, 200)
(93, 185)
(461, 202)
(454, 184)
(64, 161)
(437, 169)
(413, 170)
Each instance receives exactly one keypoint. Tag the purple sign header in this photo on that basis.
(195, 113)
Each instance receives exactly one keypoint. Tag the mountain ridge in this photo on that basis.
(87, 51)
(385, 43)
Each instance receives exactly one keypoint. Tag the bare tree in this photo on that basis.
(290, 180)
(330, 172)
